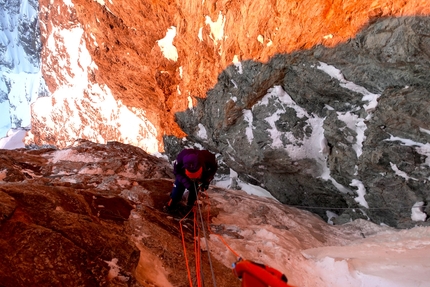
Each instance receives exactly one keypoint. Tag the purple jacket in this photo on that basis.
(193, 159)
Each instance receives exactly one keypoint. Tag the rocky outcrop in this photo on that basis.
(74, 217)
(344, 127)
(92, 215)
(50, 235)
(63, 222)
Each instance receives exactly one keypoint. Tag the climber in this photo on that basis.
(194, 170)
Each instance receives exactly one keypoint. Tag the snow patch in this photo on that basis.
(166, 45)
(361, 192)
(71, 155)
(247, 117)
(14, 139)
(330, 216)
(200, 34)
(424, 131)
(387, 258)
(217, 28)
(234, 182)
(417, 212)
(114, 268)
(309, 146)
(369, 97)
(237, 64)
(400, 173)
(423, 149)
(356, 124)
(202, 133)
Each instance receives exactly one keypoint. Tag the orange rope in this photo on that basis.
(210, 231)
(185, 249)
(197, 247)
(197, 250)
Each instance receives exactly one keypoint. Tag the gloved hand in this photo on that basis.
(204, 186)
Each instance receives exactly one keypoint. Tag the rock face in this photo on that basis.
(301, 98)
(343, 127)
(153, 59)
(90, 215)
(60, 223)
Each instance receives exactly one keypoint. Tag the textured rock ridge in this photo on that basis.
(91, 215)
(61, 223)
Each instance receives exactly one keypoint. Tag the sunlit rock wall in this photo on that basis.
(121, 70)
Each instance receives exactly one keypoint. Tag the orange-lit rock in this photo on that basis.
(122, 40)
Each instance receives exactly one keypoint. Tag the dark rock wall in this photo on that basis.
(387, 61)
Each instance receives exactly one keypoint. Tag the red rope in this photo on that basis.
(197, 246)
(185, 251)
(197, 250)
(210, 231)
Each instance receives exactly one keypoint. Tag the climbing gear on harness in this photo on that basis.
(170, 206)
(203, 186)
